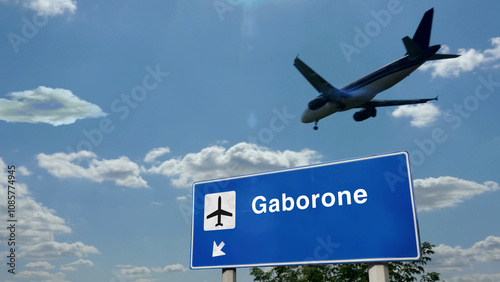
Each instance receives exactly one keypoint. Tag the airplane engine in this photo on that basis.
(364, 114)
(317, 103)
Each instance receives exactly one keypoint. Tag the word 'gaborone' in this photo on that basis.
(260, 205)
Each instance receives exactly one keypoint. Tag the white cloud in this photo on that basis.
(35, 228)
(155, 153)
(57, 277)
(446, 191)
(51, 7)
(82, 262)
(40, 225)
(53, 250)
(43, 265)
(135, 271)
(476, 278)
(122, 171)
(47, 105)
(456, 258)
(170, 268)
(243, 158)
(125, 266)
(67, 268)
(22, 170)
(37, 223)
(468, 61)
(211, 162)
(422, 114)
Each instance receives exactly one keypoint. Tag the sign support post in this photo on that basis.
(378, 272)
(229, 275)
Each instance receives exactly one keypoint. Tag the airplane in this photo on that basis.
(219, 212)
(360, 93)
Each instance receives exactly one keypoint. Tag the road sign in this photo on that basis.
(359, 210)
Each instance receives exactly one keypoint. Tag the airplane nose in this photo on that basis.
(306, 116)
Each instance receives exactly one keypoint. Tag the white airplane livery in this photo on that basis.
(360, 93)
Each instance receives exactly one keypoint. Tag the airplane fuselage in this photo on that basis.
(366, 88)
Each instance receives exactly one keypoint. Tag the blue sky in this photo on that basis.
(110, 110)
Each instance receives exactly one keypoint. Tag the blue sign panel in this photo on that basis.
(359, 210)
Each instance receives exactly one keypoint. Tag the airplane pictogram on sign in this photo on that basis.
(220, 211)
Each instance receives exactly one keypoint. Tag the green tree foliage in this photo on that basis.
(398, 271)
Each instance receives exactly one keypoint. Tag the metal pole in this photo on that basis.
(229, 275)
(378, 272)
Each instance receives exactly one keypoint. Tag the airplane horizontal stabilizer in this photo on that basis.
(443, 56)
(412, 49)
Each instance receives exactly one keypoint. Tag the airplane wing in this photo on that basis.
(221, 212)
(315, 79)
(386, 103)
(226, 213)
(212, 214)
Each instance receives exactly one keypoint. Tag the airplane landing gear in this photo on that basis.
(315, 125)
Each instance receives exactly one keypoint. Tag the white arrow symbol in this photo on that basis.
(217, 250)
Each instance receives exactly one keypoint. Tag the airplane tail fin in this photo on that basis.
(421, 39)
(423, 34)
